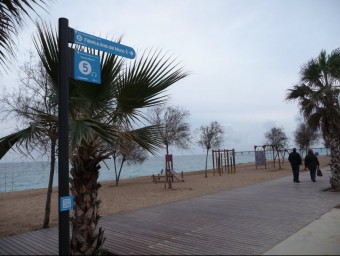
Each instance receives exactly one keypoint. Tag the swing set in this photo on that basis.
(269, 155)
(224, 161)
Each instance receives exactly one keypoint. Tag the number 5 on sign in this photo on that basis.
(87, 67)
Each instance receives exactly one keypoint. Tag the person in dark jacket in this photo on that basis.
(312, 163)
(295, 161)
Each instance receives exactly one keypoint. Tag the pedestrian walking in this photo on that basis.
(312, 163)
(295, 161)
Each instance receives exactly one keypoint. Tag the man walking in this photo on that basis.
(295, 161)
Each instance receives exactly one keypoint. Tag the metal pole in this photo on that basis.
(63, 164)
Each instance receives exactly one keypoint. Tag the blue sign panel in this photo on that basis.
(87, 67)
(103, 45)
(66, 203)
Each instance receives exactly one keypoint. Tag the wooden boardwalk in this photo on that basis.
(244, 221)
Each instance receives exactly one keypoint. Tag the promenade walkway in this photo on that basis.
(265, 218)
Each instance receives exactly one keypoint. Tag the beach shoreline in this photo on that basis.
(23, 211)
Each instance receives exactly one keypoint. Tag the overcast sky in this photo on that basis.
(242, 55)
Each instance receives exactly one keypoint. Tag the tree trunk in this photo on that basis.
(86, 239)
(167, 149)
(50, 185)
(335, 159)
(167, 169)
(120, 171)
(206, 164)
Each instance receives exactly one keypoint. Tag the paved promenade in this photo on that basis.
(273, 217)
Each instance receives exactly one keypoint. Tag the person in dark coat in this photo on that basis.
(312, 163)
(295, 161)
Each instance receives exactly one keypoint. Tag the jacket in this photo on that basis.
(294, 158)
(311, 161)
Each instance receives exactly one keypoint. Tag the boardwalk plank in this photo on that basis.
(6, 249)
(18, 245)
(39, 243)
(242, 221)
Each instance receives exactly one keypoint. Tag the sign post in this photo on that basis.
(86, 67)
(63, 164)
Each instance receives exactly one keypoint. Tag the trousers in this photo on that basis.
(296, 170)
(312, 171)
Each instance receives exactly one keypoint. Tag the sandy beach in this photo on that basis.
(23, 211)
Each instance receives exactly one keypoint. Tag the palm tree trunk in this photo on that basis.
(86, 239)
(50, 186)
(335, 159)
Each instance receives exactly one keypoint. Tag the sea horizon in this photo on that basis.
(24, 175)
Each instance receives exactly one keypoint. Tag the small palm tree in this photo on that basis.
(96, 115)
(317, 95)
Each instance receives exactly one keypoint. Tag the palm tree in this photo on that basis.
(96, 115)
(317, 94)
(12, 13)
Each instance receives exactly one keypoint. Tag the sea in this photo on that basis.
(24, 175)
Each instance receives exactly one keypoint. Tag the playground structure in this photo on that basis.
(268, 155)
(170, 175)
(224, 161)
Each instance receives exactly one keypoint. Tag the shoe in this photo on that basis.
(314, 180)
(298, 181)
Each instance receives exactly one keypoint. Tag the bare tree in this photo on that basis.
(210, 136)
(172, 128)
(172, 125)
(305, 136)
(29, 103)
(277, 137)
(128, 152)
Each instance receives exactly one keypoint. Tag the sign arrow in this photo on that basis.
(104, 45)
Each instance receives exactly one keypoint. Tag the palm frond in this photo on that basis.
(298, 91)
(46, 44)
(87, 130)
(97, 99)
(145, 81)
(21, 138)
(148, 138)
(317, 94)
(12, 13)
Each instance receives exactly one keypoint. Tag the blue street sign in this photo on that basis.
(87, 67)
(101, 44)
(66, 203)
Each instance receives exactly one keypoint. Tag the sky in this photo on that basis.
(241, 55)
